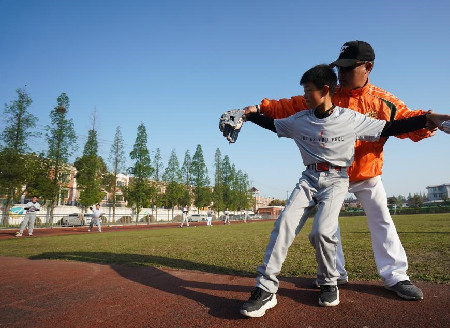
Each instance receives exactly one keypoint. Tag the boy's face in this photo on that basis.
(97, 206)
(313, 96)
(34, 199)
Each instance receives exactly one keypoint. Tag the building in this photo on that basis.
(270, 212)
(259, 201)
(438, 192)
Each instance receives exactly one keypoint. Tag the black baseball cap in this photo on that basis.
(353, 52)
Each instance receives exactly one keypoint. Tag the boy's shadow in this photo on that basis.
(218, 306)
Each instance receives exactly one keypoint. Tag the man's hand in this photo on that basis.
(440, 121)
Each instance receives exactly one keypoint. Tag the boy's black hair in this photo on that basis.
(320, 75)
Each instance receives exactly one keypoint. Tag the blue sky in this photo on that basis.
(177, 66)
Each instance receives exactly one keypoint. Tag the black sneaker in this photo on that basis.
(258, 303)
(329, 295)
(406, 290)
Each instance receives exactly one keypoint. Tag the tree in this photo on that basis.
(172, 177)
(139, 191)
(218, 182)
(242, 191)
(14, 138)
(61, 139)
(157, 176)
(227, 181)
(158, 165)
(92, 173)
(117, 161)
(19, 123)
(415, 201)
(200, 179)
(277, 202)
(186, 176)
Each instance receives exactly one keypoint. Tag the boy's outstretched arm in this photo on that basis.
(263, 121)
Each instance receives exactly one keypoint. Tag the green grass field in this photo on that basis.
(239, 248)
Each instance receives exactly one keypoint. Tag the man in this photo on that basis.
(184, 216)
(96, 218)
(227, 216)
(31, 208)
(355, 62)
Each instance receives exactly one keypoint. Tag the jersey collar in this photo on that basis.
(355, 92)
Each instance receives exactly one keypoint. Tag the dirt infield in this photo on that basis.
(41, 232)
(50, 293)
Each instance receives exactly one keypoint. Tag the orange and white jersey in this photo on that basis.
(368, 100)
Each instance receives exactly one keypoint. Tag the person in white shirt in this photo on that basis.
(30, 217)
(227, 216)
(185, 219)
(209, 217)
(96, 218)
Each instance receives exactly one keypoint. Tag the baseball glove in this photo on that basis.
(445, 126)
(230, 124)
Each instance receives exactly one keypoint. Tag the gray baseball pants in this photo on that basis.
(327, 190)
(97, 222)
(28, 219)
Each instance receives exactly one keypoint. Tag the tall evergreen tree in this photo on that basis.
(14, 141)
(157, 176)
(200, 179)
(117, 162)
(227, 180)
(172, 177)
(218, 182)
(158, 165)
(186, 176)
(91, 172)
(139, 191)
(61, 140)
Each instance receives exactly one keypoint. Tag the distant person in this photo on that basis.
(245, 216)
(184, 214)
(96, 218)
(209, 217)
(31, 208)
(227, 216)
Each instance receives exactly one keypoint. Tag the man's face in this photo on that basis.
(97, 206)
(312, 96)
(355, 76)
(34, 199)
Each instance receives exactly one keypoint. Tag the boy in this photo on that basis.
(31, 208)
(184, 216)
(96, 219)
(209, 217)
(326, 136)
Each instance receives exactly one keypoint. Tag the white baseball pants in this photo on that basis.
(28, 219)
(390, 256)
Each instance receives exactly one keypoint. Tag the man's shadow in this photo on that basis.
(218, 306)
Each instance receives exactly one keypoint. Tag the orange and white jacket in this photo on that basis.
(368, 100)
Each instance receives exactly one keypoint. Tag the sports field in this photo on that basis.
(238, 248)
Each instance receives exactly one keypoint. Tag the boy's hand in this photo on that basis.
(445, 126)
(230, 124)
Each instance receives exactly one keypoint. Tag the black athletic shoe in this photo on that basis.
(258, 303)
(329, 295)
(406, 290)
